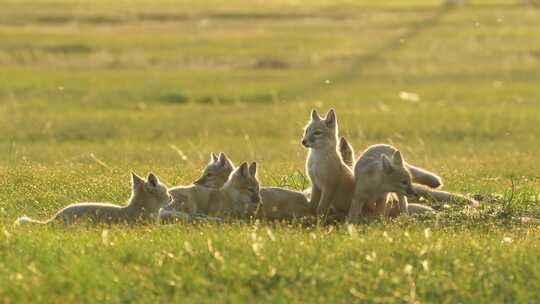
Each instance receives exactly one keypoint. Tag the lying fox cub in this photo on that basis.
(277, 203)
(238, 196)
(147, 198)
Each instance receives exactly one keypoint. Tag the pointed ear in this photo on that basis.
(344, 144)
(243, 170)
(330, 118)
(386, 164)
(136, 180)
(253, 169)
(314, 115)
(213, 157)
(397, 158)
(228, 163)
(222, 159)
(152, 180)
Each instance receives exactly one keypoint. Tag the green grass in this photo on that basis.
(92, 90)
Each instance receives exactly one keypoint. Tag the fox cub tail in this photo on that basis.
(23, 220)
(425, 177)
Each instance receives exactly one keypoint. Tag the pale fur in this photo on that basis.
(424, 177)
(146, 199)
(347, 155)
(444, 196)
(419, 175)
(380, 171)
(332, 181)
(421, 178)
(238, 197)
(346, 151)
(276, 203)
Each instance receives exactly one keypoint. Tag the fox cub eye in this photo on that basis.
(317, 133)
(405, 183)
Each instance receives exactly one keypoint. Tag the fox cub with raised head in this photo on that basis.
(237, 197)
(217, 172)
(379, 171)
(147, 198)
(276, 203)
(332, 181)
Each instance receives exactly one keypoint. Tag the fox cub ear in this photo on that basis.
(243, 170)
(253, 169)
(213, 157)
(153, 181)
(344, 144)
(227, 163)
(222, 159)
(136, 181)
(330, 118)
(386, 164)
(397, 158)
(314, 115)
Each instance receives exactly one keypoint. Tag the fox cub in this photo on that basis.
(423, 184)
(238, 196)
(276, 203)
(419, 175)
(380, 170)
(147, 198)
(332, 181)
(347, 153)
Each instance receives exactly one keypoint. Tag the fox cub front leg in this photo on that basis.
(315, 197)
(356, 209)
(325, 203)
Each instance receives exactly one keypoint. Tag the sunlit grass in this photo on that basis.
(92, 90)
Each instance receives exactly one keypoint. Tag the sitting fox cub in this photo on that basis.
(332, 181)
(277, 203)
(237, 197)
(146, 199)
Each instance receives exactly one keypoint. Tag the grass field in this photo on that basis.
(90, 90)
